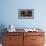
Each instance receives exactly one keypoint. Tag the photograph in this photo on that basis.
(26, 13)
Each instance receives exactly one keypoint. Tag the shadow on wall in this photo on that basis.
(2, 26)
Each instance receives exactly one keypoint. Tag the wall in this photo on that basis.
(9, 13)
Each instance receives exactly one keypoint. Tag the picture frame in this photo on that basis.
(26, 13)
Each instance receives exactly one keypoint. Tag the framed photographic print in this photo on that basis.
(26, 13)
